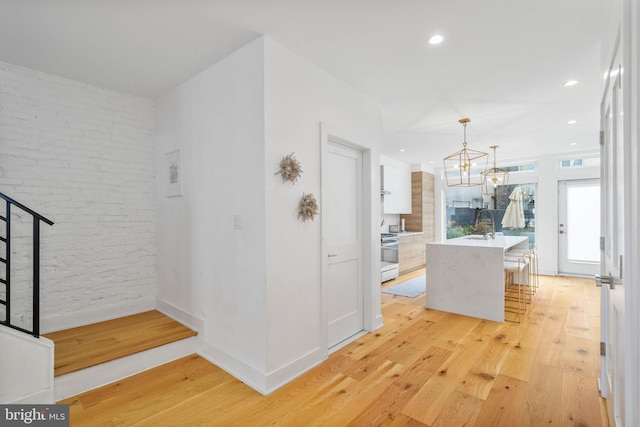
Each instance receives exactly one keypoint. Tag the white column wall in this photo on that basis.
(257, 289)
(299, 96)
(207, 269)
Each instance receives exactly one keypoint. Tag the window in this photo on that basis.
(463, 206)
(522, 167)
(590, 160)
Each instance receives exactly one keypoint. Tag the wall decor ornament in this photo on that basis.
(290, 168)
(308, 207)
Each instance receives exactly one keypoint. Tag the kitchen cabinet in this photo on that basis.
(410, 252)
(421, 220)
(422, 217)
(395, 185)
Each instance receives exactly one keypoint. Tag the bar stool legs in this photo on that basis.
(515, 298)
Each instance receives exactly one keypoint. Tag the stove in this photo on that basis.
(389, 259)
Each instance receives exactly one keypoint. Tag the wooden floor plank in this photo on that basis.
(542, 395)
(506, 405)
(382, 408)
(423, 368)
(91, 345)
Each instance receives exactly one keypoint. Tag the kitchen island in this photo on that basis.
(466, 275)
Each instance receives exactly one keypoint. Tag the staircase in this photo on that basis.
(90, 356)
(26, 359)
(6, 290)
(65, 363)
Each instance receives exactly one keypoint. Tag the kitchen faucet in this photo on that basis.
(483, 223)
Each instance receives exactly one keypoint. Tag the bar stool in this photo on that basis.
(514, 297)
(532, 256)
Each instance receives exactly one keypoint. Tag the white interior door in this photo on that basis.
(613, 183)
(579, 227)
(343, 212)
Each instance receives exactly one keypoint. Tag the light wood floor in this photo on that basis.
(90, 345)
(424, 367)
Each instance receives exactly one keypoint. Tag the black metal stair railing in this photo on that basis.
(6, 280)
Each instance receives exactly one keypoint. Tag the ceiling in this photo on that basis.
(502, 62)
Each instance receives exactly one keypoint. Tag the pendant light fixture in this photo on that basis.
(495, 180)
(462, 168)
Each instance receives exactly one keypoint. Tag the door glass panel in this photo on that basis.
(583, 217)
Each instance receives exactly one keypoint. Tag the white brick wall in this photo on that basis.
(83, 157)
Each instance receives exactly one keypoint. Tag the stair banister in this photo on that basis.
(37, 218)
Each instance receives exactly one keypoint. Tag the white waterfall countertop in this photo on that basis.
(504, 242)
(466, 275)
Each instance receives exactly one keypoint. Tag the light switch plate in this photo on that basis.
(238, 222)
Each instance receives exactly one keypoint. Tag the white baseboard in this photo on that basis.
(547, 272)
(253, 377)
(179, 315)
(293, 370)
(44, 397)
(379, 323)
(263, 383)
(348, 341)
(87, 379)
(87, 317)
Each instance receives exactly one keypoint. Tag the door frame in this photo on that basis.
(563, 186)
(370, 238)
(624, 26)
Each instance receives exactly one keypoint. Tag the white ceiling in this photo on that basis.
(502, 63)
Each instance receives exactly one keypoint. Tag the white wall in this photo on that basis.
(548, 175)
(299, 96)
(83, 157)
(26, 369)
(206, 268)
(257, 289)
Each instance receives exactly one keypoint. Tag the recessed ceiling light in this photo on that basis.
(572, 122)
(573, 143)
(402, 150)
(436, 39)
(571, 83)
(431, 161)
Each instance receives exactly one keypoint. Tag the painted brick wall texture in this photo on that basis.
(83, 157)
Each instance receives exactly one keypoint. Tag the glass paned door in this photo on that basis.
(579, 227)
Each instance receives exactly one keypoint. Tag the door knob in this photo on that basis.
(561, 231)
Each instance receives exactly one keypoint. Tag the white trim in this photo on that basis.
(631, 22)
(346, 342)
(633, 324)
(371, 233)
(263, 383)
(250, 375)
(181, 316)
(105, 373)
(42, 397)
(293, 370)
(101, 314)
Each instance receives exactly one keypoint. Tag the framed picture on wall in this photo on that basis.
(173, 173)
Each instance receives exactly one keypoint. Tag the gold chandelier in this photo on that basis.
(495, 180)
(461, 168)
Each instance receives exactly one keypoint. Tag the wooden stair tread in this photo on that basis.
(90, 345)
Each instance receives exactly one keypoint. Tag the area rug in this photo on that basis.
(411, 288)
